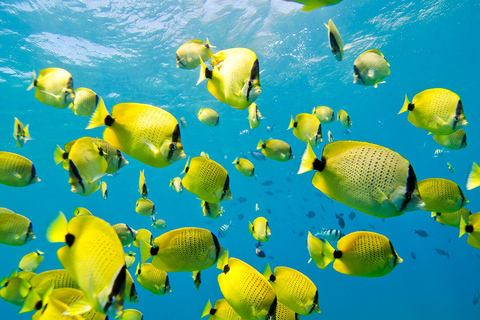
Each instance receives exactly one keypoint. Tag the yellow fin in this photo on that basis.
(405, 105)
(57, 228)
(235, 161)
(58, 154)
(145, 251)
(206, 310)
(320, 251)
(196, 278)
(222, 260)
(292, 123)
(79, 307)
(34, 81)
(462, 230)
(98, 117)
(473, 180)
(260, 145)
(203, 70)
(267, 272)
(250, 227)
(308, 159)
(185, 169)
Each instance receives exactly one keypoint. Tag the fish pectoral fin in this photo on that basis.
(219, 193)
(51, 94)
(381, 196)
(151, 147)
(246, 87)
(79, 307)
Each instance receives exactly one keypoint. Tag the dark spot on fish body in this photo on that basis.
(226, 268)
(295, 124)
(100, 151)
(469, 229)
(337, 254)
(35, 82)
(411, 106)
(154, 251)
(65, 155)
(97, 99)
(333, 43)
(186, 170)
(272, 278)
(69, 239)
(208, 73)
(319, 165)
(213, 311)
(109, 120)
(38, 305)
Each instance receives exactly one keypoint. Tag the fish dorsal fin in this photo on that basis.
(57, 228)
(338, 147)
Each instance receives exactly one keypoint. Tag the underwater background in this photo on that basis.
(125, 52)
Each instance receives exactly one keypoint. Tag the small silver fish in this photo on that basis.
(244, 132)
(422, 233)
(183, 122)
(223, 230)
(331, 235)
(270, 128)
(439, 153)
(257, 155)
(450, 167)
(330, 136)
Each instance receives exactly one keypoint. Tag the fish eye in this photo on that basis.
(172, 147)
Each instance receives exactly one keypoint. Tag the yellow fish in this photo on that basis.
(324, 114)
(455, 141)
(142, 185)
(235, 77)
(184, 249)
(16, 171)
(129, 259)
(370, 68)
(306, 127)
(145, 207)
(131, 314)
(85, 102)
(365, 176)
(189, 53)
(276, 149)
(125, 233)
(441, 195)
(472, 227)
(207, 179)
(344, 118)
(158, 223)
(31, 261)
(473, 180)
(58, 278)
(245, 167)
(254, 115)
(294, 289)
(20, 133)
(153, 279)
(246, 290)
(260, 229)
(220, 311)
(14, 289)
(209, 117)
(452, 219)
(54, 87)
(142, 235)
(15, 229)
(436, 110)
(147, 133)
(94, 257)
(176, 184)
(103, 187)
(283, 312)
(335, 40)
(79, 211)
(361, 253)
(309, 5)
(212, 210)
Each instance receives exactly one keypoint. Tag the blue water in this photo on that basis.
(125, 52)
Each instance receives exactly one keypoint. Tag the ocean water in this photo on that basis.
(125, 52)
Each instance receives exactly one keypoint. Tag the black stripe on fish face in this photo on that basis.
(179, 61)
(458, 113)
(395, 255)
(319, 164)
(73, 170)
(272, 309)
(464, 141)
(217, 246)
(410, 187)
(254, 73)
(333, 44)
(315, 302)
(357, 73)
(29, 231)
(175, 139)
(120, 158)
(226, 187)
(167, 285)
(118, 286)
(33, 174)
(461, 195)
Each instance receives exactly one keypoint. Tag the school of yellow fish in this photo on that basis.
(96, 280)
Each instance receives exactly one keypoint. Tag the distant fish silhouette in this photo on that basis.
(242, 199)
(422, 233)
(341, 222)
(270, 193)
(476, 297)
(372, 226)
(414, 255)
(259, 251)
(240, 216)
(323, 208)
(352, 215)
(441, 252)
(301, 233)
(267, 183)
(310, 214)
(268, 210)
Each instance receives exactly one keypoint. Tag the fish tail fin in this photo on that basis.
(185, 170)
(260, 145)
(292, 123)
(473, 180)
(138, 270)
(208, 45)
(58, 154)
(99, 116)
(26, 132)
(57, 228)
(406, 105)
(222, 261)
(326, 25)
(463, 224)
(35, 296)
(267, 272)
(320, 251)
(308, 160)
(207, 309)
(204, 71)
(145, 251)
(250, 227)
(171, 183)
(235, 161)
(34, 81)
(196, 278)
